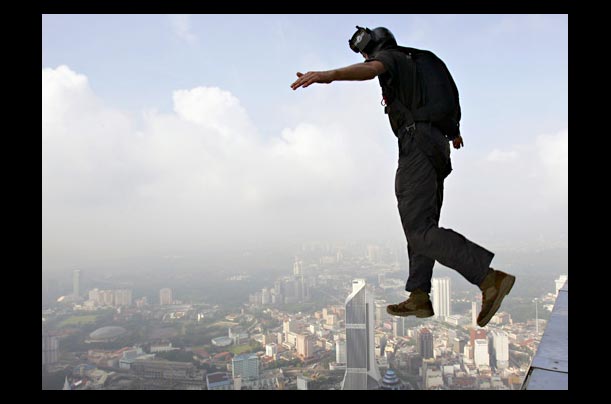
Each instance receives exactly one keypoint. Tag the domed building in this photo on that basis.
(107, 333)
(390, 381)
(222, 341)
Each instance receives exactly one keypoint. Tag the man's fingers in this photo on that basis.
(297, 84)
(304, 80)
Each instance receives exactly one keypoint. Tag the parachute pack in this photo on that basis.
(440, 104)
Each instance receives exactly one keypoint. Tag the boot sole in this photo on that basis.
(419, 314)
(504, 290)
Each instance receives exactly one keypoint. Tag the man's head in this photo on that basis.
(369, 42)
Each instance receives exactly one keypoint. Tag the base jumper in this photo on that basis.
(421, 100)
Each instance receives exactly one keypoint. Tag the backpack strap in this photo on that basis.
(396, 109)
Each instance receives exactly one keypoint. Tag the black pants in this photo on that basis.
(419, 191)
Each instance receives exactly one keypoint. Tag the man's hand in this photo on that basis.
(457, 142)
(305, 80)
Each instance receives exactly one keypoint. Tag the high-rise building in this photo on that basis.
(473, 314)
(76, 282)
(165, 296)
(123, 297)
(425, 343)
(93, 295)
(481, 357)
(305, 345)
(380, 311)
(361, 370)
(266, 297)
(340, 351)
(50, 349)
(399, 326)
(440, 290)
(477, 334)
(271, 349)
(373, 253)
(105, 297)
(297, 267)
(458, 345)
(500, 349)
(289, 325)
(245, 366)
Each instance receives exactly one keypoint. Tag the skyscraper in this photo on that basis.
(165, 296)
(481, 357)
(305, 345)
(399, 328)
(473, 314)
(380, 311)
(425, 343)
(361, 370)
(297, 267)
(123, 297)
(50, 349)
(441, 297)
(76, 282)
(500, 351)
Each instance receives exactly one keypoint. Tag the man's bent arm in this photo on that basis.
(359, 71)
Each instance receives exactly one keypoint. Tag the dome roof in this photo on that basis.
(222, 341)
(107, 332)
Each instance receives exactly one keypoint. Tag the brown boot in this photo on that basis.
(495, 287)
(418, 304)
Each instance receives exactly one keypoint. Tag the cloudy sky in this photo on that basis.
(174, 134)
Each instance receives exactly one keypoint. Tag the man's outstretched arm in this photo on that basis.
(359, 71)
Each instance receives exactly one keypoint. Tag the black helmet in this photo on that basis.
(372, 41)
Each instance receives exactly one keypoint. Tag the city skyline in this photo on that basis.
(449, 351)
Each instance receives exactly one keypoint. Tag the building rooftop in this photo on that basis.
(245, 356)
(107, 332)
(549, 369)
(218, 377)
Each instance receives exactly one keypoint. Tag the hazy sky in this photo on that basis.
(178, 134)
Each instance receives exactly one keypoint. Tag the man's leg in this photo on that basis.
(418, 194)
(420, 271)
(421, 266)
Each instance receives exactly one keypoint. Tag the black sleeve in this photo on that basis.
(386, 59)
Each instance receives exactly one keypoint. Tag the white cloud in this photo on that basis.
(213, 108)
(512, 196)
(181, 24)
(502, 156)
(195, 178)
(553, 153)
(202, 176)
